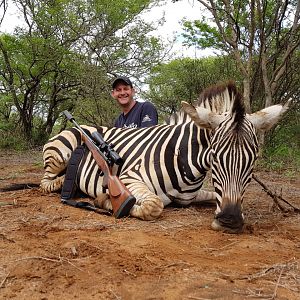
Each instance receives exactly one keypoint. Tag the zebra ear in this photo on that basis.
(201, 116)
(266, 118)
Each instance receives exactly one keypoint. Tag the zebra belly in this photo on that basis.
(90, 181)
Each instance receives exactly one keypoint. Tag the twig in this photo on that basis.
(3, 281)
(277, 283)
(252, 293)
(197, 298)
(284, 266)
(60, 260)
(2, 236)
(6, 203)
(175, 264)
(129, 273)
(68, 261)
(117, 297)
(275, 197)
(39, 257)
(152, 262)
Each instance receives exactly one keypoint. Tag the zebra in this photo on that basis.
(168, 162)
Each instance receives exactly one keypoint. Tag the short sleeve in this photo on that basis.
(118, 122)
(149, 115)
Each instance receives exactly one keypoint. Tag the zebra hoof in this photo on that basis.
(217, 226)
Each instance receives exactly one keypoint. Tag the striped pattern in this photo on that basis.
(169, 162)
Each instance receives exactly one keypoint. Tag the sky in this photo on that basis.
(173, 12)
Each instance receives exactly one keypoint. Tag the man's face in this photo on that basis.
(123, 93)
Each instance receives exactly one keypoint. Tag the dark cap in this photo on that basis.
(123, 79)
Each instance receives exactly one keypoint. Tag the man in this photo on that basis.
(134, 114)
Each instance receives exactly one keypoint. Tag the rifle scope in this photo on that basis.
(108, 149)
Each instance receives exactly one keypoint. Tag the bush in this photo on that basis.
(11, 137)
(282, 147)
(13, 141)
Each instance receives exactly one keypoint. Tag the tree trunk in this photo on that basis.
(246, 84)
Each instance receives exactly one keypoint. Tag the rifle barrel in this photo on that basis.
(68, 115)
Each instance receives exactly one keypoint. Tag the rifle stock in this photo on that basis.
(121, 199)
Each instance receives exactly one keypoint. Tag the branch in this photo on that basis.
(230, 42)
(10, 79)
(4, 4)
(276, 197)
(292, 43)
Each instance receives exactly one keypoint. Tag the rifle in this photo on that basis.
(121, 199)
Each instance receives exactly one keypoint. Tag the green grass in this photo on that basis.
(283, 159)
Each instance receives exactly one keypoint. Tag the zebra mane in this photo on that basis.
(220, 98)
(179, 117)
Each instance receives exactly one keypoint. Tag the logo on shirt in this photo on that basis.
(132, 125)
(146, 119)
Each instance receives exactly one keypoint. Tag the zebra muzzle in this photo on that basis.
(229, 220)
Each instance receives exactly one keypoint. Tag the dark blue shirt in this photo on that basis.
(142, 114)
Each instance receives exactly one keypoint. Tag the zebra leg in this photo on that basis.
(205, 197)
(51, 183)
(103, 201)
(54, 164)
(51, 180)
(148, 206)
(202, 197)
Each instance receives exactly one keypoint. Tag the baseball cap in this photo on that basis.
(125, 79)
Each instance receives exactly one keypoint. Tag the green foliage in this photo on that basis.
(11, 137)
(66, 57)
(264, 39)
(184, 79)
(282, 146)
(202, 34)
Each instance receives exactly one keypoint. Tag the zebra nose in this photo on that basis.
(229, 219)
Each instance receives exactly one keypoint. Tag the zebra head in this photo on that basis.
(233, 149)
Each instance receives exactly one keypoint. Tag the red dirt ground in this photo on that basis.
(52, 251)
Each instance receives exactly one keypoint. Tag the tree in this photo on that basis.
(35, 76)
(184, 79)
(67, 53)
(3, 5)
(262, 36)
